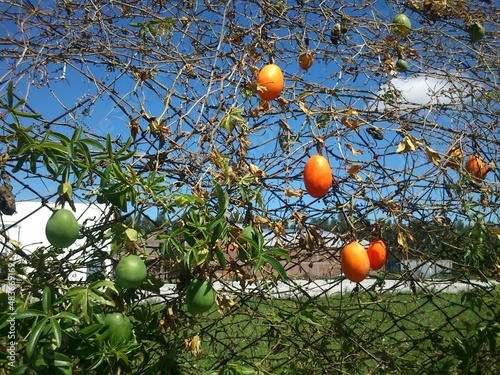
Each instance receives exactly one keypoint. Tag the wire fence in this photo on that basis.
(150, 110)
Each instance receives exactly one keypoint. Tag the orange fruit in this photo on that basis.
(306, 60)
(317, 176)
(271, 79)
(476, 166)
(377, 254)
(354, 261)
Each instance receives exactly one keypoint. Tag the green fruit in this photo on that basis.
(131, 272)
(200, 296)
(401, 65)
(401, 24)
(62, 229)
(119, 328)
(476, 31)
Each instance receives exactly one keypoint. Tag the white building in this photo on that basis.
(427, 269)
(26, 229)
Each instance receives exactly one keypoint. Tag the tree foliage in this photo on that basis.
(150, 110)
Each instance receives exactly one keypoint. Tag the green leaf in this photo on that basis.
(20, 370)
(279, 251)
(222, 200)
(46, 299)
(276, 265)
(34, 337)
(72, 292)
(92, 143)
(131, 234)
(21, 102)
(20, 163)
(61, 360)
(91, 330)
(56, 330)
(109, 146)
(220, 257)
(151, 29)
(68, 315)
(29, 313)
(101, 297)
(103, 284)
(26, 114)
(307, 316)
(227, 124)
(10, 95)
(119, 175)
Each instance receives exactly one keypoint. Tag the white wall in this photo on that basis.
(428, 269)
(29, 231)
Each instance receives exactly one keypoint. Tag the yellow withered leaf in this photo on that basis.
(353, 171)
(454, 158)
(261, 220)
(293, 193)
(409, 143)
(350, 123)
(194, 346)
(433, 155)
(353, 150)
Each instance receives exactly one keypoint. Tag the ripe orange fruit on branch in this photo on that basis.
(270, 81)
(377, 254)
(354, 261)
(317, 176)
(306, 60)
(476, 166)
(62, 228)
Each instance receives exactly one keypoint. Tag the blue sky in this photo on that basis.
(63, 88)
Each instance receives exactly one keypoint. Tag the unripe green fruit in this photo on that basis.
(62, 229)
(119, 328)
(476, 31)
(401, 24)
(131, 272)
(200, 296)
(401, 65)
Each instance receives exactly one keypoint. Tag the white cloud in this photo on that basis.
(422, 89)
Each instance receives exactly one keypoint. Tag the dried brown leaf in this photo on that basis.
(261, 220)
(350, 123)
(304, 108)
(279, 228)
(256, 170)
(353, 150)
(409, 143)
(353, 172)
(454, 158)
(402, 240)
(433, 155)
(293, 193)
(194, 346)
(225, 304)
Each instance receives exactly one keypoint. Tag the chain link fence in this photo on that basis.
(149, 109)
